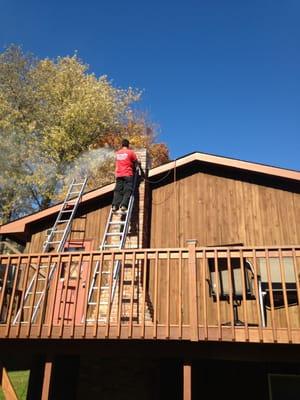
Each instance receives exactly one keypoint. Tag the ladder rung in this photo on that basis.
(116, 246)
(63, 220)
(102, 272)
(101, 287)
(74, 192)
(101, 303)
(56, 241)
(101, 319)
(77, 184)
(34, 292)
(116, 223)
(66, 211)
(114, 234)
(35, 306)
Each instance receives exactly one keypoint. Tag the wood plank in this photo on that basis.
(204, 296)
(187, 381)
(121, 284)
(155, 305)
(7, 387)
(132, 294)
(48, 371)
(180, 295)
(144, 286)
(98, 284)
(193, 289)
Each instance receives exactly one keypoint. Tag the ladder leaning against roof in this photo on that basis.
(118, 230)
(56, 239)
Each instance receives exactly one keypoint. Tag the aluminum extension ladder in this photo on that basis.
(56, 240)
(120, 229)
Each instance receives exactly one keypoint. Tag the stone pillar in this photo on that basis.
(139, 230)
(137, 238)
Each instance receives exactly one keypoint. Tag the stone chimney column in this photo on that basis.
(138, 234)
(137, 238)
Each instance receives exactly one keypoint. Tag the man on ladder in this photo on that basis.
(126, 161)
(117, 226)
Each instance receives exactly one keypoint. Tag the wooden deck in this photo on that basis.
(162, 294)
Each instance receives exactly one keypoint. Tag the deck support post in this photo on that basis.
(47, 379)
(5, 383)
(193, 290)
(187, 381)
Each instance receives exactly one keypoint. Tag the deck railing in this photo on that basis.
(217, 294)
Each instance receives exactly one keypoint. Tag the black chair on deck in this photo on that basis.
(235, 280)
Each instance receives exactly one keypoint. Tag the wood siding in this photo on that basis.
(215, 207)
(223, 210)
(88, 225)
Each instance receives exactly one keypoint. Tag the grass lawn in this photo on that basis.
(19, 380)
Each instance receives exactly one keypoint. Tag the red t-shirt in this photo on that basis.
(124, 162)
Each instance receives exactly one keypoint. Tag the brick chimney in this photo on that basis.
(138, 233)
(137, 238)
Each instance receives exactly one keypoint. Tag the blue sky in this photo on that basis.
(222, 77)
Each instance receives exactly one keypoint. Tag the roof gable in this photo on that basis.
(19, 225)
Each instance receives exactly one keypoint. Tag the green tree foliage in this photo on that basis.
(53, 112)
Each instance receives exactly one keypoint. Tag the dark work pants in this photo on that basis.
(123, 190)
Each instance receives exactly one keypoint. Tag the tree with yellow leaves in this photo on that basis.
(52, 112)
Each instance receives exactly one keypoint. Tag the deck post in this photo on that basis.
(47, 379)
(5, 383)
(193, 290)
(187, 381)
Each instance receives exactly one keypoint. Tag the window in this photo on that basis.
(284, 387)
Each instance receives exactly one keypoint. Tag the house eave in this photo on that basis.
(19, 226)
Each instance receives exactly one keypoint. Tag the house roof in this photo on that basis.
(19, 225)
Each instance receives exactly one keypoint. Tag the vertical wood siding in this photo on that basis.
(218, 210)
(88, 225)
